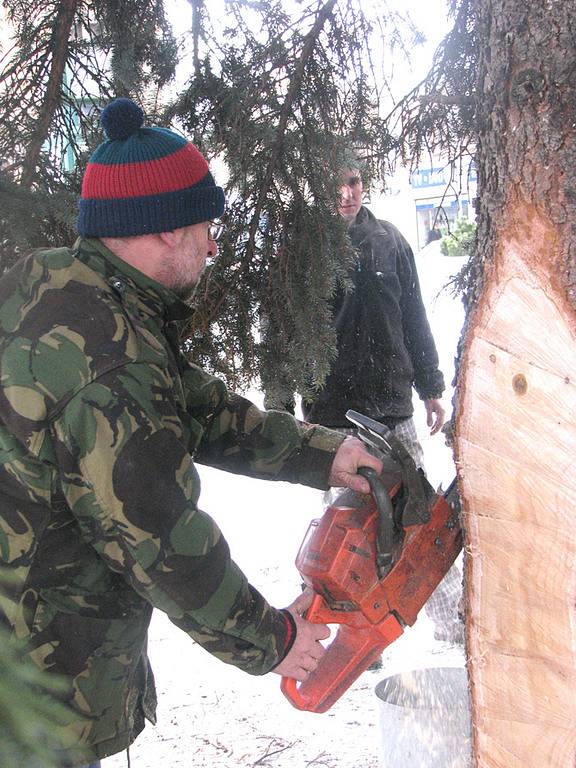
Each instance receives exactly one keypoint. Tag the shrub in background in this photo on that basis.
(459, 242)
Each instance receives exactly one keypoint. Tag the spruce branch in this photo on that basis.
(293, 89)
(196, 10)
(59, 49)
(452, 101)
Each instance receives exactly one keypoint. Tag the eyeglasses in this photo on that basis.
(215, 229)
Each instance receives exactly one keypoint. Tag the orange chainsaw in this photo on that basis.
(373, 561)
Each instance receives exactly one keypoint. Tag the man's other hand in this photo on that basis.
(435, 414)
(307, 650)
(352, 455)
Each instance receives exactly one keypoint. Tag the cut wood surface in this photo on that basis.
(516, 443)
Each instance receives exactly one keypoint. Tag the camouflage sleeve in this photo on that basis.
(128, 477)
(271, 445)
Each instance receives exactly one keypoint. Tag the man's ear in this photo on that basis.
(170, 239)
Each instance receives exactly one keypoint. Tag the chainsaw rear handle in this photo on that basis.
(348, 655)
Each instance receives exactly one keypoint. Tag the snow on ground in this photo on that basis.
(211, 715)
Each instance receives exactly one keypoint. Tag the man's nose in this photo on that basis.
(345, 192)
(212, 249)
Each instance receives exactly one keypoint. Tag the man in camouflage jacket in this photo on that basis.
(101, 421)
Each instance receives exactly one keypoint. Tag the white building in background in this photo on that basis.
(5, 31)
(432, 197)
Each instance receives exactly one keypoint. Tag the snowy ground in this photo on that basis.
(212, 715)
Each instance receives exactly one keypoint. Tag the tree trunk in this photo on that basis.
(516, 427)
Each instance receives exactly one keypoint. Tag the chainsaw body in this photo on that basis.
(371, 595)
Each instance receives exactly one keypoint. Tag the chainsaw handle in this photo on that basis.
(386, 536)
(382, 438)
(348, 655)
(379, 491)
(289, 687)
(318, 612)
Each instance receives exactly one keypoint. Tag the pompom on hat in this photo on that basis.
(144, 180)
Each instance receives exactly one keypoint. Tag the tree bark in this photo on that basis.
(59, 48)
(516, 407)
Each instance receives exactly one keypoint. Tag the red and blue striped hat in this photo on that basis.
(144, 180)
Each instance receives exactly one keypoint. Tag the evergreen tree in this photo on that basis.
(284, 99)
(32, 712)
(66, 58)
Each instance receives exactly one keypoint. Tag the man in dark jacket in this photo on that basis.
(385, 349)
(385, 346)
(101, 422)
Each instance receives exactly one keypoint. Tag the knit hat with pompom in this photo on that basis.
(144, 180)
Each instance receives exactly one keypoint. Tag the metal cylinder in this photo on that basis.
(425, 719)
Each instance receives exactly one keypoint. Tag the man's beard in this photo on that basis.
(184, 291)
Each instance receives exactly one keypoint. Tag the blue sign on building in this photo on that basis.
(435, 177)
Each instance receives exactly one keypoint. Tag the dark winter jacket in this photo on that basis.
(101, 423)
(385, 346)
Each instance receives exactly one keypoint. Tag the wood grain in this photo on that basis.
(516, 449)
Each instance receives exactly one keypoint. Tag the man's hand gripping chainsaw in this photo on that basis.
(373, 563)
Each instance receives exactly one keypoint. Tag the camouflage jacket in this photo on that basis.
(101, 421)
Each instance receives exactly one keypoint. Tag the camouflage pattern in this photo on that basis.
(101, 421)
